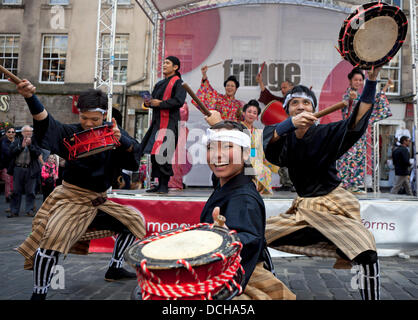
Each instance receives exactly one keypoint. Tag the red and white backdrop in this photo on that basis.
(296, 42)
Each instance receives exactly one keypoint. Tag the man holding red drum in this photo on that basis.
(61, 224)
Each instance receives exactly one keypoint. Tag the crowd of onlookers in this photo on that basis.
(26, 170)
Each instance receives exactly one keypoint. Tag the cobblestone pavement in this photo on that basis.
(308, 278)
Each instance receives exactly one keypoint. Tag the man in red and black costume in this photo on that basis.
(160, 141)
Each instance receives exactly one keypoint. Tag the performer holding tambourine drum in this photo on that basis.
(201, 262)
(372, 35)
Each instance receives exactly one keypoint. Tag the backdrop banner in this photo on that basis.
(393, 223)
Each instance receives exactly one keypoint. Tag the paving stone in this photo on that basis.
(310, 278)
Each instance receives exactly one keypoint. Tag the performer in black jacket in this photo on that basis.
(160, 141)
(323, 211)
(61, 224)
(236, 198)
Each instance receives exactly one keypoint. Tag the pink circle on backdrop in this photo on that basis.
(192, 38)
(333, 90)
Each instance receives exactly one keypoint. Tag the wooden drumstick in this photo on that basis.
(203, 108)
(14, 78)
(220, 220)
(213, 65)
(330, 109)
(262, 68)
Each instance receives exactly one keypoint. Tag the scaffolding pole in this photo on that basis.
(414, 54)
(105, 56)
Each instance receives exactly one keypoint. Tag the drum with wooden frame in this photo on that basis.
(91, 141)
(372, 35)
(192, 263)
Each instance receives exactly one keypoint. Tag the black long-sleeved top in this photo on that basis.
(173, 104)
(400, 156)
(312, 160)
(93, 172)
(244, 211)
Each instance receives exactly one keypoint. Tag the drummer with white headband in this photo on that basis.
(61, 224)
(323, 210)
(237, 199)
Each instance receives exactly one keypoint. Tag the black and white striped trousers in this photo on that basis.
(45, 260)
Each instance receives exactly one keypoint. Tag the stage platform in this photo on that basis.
(393, 219)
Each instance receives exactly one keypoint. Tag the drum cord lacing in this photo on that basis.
(359, 16)
(79, 144)
(152, 285)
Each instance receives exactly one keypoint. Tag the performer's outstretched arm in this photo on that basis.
(27, 90)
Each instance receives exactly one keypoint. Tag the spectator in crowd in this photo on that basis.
(5, 159)
(49, 175)
(400, 156)
(25, 167)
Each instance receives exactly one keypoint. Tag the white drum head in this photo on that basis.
(184, 245)
(375, 38)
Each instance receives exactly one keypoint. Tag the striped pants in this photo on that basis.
(45, 261)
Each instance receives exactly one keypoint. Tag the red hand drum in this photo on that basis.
(273, 113)
(91, 141)
(201, 262)
(372, 35)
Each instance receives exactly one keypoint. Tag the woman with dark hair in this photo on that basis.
(236, 198)
(5, 159)
(352, 165)
(226, 104)
(262, 167)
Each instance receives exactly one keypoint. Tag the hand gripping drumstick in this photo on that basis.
(220, 221)
(203, 108)
(14, 78)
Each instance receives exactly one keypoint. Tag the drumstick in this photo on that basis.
(220, 220)
(330, 109)
(203, 108)
(14, 78)
(213, 65)
(262, 67)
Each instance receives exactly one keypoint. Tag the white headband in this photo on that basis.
(93, 110)
(234, 136)
(298, 95)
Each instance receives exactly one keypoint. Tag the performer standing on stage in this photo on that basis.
(60, 226)
(323, 211)
(226, 104)
(262, 167)
(160, 141)
(352, 165)
(236, 198)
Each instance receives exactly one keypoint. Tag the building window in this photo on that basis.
(53, 60)
(120, 67)
(245, 51)
(9, 53)
(392, 70)
(11, 2)
(59, 2)
(121, 2)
